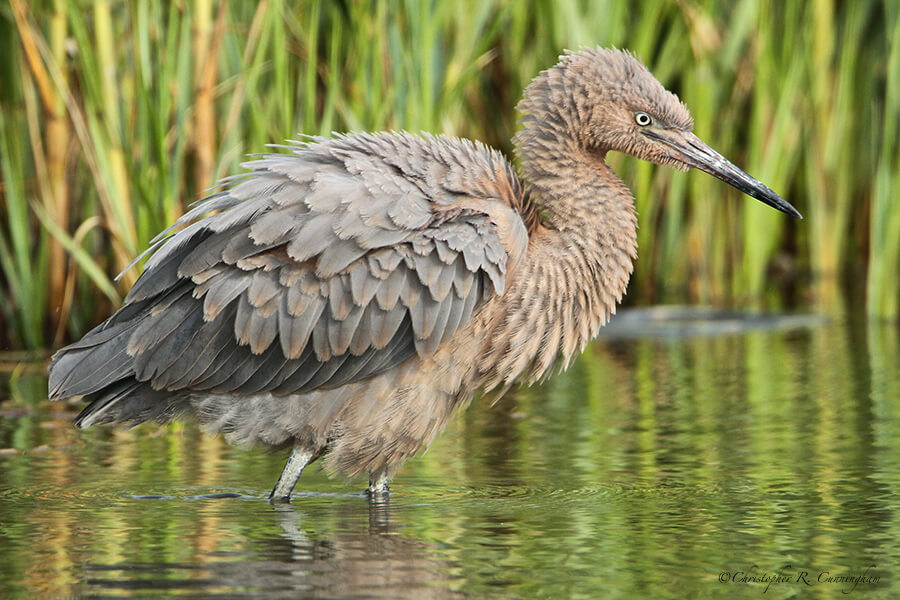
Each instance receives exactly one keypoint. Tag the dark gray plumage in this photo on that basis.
(349, 295)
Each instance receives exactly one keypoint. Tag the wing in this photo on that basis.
(322, 267)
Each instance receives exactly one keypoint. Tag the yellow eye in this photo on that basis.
(642, 119)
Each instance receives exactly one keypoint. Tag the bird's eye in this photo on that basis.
(642, 119)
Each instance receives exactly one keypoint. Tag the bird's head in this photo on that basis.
(612, 102)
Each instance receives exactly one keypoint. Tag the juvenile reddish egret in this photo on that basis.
(348, 296)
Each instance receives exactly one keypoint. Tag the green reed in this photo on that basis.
(116, 115)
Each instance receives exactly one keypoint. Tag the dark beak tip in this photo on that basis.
(788, 208)
(773, 200)
(697, 154)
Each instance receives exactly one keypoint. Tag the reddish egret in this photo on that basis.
(349, 295)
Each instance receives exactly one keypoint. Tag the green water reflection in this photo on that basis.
(651, 469)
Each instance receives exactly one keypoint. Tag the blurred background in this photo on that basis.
(683, 444)
(114, 116)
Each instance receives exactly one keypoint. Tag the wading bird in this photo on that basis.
(347, 296)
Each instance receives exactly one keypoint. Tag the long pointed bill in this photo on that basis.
(693, 152)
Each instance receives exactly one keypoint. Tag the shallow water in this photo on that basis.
(757, 460)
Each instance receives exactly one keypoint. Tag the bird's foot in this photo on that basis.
(378, 487)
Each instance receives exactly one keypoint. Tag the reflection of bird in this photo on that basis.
(349, 551)
(350, 295)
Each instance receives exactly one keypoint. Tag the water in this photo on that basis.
(701, 460)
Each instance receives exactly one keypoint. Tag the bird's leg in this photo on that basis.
(292, 470)
(378, 486)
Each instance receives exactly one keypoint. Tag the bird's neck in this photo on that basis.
(571, 184)
(575, 271)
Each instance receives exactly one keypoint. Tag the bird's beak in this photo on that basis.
(692, 151)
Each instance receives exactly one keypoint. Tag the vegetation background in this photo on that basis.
(116, 115)
(759, 447)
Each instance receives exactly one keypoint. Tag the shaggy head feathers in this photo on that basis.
(590, 98)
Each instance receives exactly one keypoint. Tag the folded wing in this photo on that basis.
(321, 267)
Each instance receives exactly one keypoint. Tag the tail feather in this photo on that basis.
(130, 402)
(100, 334)
(107, 353)
(98, 410)
(85, 369)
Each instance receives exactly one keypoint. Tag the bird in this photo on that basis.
(345, 296)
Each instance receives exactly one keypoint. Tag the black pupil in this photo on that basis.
(643, 119)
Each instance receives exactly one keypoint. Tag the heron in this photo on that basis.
(346, 295)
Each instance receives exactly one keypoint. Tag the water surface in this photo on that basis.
(707, 461)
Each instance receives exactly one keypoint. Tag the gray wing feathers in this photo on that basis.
(314, 236)
(388, 293)
(295, 329)
(363, 284)
(220, 292)
(88, 369)
(323, 267)
(384, 324)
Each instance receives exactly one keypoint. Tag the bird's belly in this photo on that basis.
(371, 426)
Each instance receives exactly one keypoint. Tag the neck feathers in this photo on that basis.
(567, 285)
(579, 258)
(550, 126)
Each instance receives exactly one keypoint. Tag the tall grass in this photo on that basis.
(115, 115)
